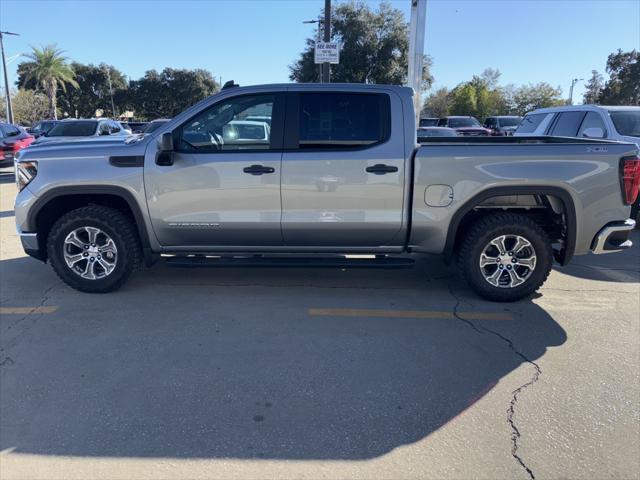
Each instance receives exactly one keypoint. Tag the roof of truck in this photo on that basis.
(568, 108)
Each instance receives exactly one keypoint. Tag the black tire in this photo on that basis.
(113, 223)
(481, 233)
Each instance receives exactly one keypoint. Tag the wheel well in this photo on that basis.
(548, 211)
(59, 206)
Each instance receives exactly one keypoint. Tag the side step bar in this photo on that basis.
(379, 261)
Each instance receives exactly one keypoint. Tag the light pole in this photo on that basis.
(573, 82)
(326, 67)
(319, 22)
(6, 79)
(113, 108)
(416, 52)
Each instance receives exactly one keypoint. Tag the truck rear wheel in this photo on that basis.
(94, 249)
(505, 257)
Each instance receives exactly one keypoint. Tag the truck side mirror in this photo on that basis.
(164, 157)
(593, 132)
(165, 142)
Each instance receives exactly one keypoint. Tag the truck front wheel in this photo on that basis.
(94, 249)
(505, 257)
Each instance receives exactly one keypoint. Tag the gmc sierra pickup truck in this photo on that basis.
(290, 175)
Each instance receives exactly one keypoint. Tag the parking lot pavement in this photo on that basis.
(313, 373)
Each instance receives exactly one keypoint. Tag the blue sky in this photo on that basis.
(254, 41)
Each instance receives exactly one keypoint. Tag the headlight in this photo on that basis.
(25, 172)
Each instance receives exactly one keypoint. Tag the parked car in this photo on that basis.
(505, 207)
(259, 118)
(428, 122)
(152, 126)
(71, 129)
(502, 125)
(136, 127)
(586, 121)
(125, 126)
(435, 132)
(41, 127)
(467, 126)
(12, 140)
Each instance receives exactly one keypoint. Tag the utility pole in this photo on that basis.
(573, 82)
(113, 108)
(6, 79)
(326, 67)
(416, 52)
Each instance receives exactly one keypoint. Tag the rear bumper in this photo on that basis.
(614, 237)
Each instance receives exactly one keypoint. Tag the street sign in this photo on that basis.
(327, 52)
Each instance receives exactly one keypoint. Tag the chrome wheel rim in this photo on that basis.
(508, 261)
(90, 253)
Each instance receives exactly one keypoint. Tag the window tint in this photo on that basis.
(567, 124)
(73, 129)
(225, 126)
(114, 127)
(627, 122)
(343, 120)
(490, 122)
(530, 122)
(591, 120)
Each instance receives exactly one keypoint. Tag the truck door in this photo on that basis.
(223, 186)
(343, 169)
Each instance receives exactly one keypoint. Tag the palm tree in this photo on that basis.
(49, 69)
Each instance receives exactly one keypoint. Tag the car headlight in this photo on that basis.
(25, 172)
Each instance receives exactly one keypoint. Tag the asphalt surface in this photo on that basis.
(311, 373)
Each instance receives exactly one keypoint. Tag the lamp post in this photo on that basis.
(6, 79)
(319, 22)
(573, 83)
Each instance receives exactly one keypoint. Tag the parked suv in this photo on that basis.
(502, 125)
(466, 126)
(584, 121)
(73, 129)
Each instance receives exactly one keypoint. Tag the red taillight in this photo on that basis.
(16, 146)
(630, 179)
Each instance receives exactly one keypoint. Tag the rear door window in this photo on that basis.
(567, 124)
(334, 120)
(591, 120)
(531, 122)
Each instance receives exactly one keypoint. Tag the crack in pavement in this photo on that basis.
(515, 432)
(6, 359)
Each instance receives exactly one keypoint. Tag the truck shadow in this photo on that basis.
(231, 364)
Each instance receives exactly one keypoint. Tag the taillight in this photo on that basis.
(630, 179)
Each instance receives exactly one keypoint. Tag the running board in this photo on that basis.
(288, 262)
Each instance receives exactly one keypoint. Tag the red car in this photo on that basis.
(466, 126)
(12, 140)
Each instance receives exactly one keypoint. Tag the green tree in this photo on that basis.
(169, 92)
(594, 88)
(374, 47)
(29, 106)
(623, 86)
(464, 100)
(437, 104)
(529, 97)
(93, 92)
(48, 69)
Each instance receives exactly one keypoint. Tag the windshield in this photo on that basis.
(436, 132)
(463, 122)
(627, 122)
(152, 127)
(509, 122)
(73, 129)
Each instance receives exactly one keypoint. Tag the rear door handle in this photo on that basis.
(380, 169)
(258, 170)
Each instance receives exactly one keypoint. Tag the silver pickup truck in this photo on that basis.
(291, 175)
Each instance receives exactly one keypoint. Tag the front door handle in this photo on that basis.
(380, 169)
(258, 170)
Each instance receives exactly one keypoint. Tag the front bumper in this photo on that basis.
(31, 245)
(614, 237)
